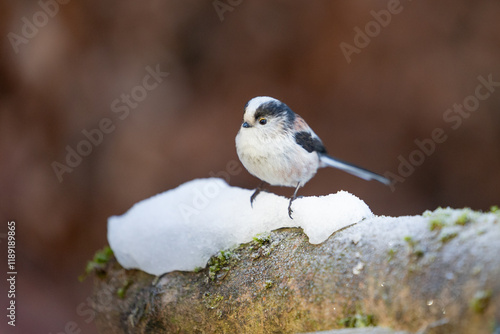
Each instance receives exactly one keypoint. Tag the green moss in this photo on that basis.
(123, 289)
(198, 269)
(442, 217)
(446, 221)
(262, 239)
(494, 209)
(418, 252)
(412, 244)
(103, 255)
(268, 284)
(261, 245)
(390, 253)
(439, 216)
(429, 213)
(463, 219)
(212, 301)
(358, 321)
(415, 250)
(480, 301)
(221, 261)
(98, 263)
(409, 240)
(447, 236)
(436, 224)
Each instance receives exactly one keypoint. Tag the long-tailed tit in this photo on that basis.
(277, 146)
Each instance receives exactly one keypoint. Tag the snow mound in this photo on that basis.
(181, 228)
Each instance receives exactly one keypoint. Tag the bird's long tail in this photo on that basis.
(352, 169)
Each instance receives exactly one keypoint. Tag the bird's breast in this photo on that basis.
(277, 161)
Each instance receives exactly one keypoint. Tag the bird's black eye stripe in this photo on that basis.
(275, 109)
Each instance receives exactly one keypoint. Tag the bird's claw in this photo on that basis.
(290, 211)
(256, 192)
(252, 198)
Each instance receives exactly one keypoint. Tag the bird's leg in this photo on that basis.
(290, 211)
(256, 192)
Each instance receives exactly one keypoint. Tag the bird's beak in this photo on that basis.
(245, 125)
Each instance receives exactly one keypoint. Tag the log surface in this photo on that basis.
(405, 273)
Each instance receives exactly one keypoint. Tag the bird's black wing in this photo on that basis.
(309, 142)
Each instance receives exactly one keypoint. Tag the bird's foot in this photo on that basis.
(256, 192)
(252, 198)
(290, 211)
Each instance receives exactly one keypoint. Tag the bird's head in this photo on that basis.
(267, 115)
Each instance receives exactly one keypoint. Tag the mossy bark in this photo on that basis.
(391, 272)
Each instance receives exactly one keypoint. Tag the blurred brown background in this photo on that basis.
(63, 79)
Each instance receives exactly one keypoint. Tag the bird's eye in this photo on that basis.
(262, 121)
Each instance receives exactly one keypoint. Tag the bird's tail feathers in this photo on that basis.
(352, 169)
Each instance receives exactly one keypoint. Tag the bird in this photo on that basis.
(277, 146)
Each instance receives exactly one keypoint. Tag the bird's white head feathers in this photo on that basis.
(269, 112)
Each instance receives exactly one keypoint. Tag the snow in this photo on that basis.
(182, 228)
